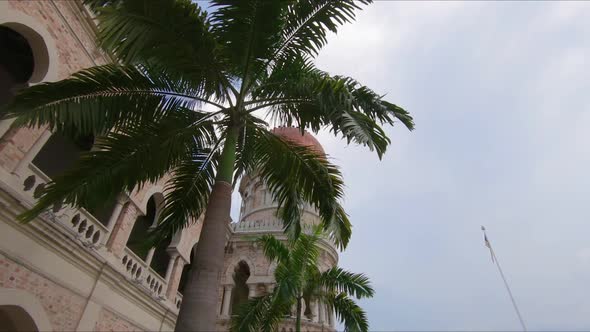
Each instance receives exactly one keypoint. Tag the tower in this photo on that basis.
(247, 272)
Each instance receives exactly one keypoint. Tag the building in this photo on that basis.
(73, 269)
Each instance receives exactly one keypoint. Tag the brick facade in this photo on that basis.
(63, 307)
(108, 321)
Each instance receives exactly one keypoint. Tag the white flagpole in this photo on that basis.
(495, 260)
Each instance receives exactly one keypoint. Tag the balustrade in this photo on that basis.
(138, 270)
(82, 225)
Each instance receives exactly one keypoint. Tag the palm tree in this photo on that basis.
(181, 99)
(298, 281)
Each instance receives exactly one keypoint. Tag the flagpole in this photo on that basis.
(495, 260)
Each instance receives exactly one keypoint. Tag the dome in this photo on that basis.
(294, 135)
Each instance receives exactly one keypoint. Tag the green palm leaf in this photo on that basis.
(101, 99)
(343, 281)
(349, 313)
(187, 193)
(124, 160)
(170, 36)
(296, 174)
(298, 279)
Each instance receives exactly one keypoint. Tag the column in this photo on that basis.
(321, 310)
(173, 278)
(122, 229)
(121, 200)
(315, 307)
(251, 290)
(227, 289)
(30, 155)
(171, 262)
(5, 125)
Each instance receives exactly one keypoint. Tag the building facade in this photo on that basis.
(75, 269)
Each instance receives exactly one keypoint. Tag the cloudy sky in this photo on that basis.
(500, 92)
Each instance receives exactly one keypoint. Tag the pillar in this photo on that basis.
(321, 312)
(5, 125)
(251, 290)
(33, 151)
(171, 262)
(315, 307)
(121, 200)
(227, 289)
(173, 277)
(122, 229)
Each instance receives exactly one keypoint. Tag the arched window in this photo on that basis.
(240, 291)
(186, 270)
(60, 154)
(16, 63)
(15, 318)
(160, 258)
(141, 228)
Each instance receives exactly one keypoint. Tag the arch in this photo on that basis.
(140, 229)
(160, 258)
(38, 48)
(43, 44)
(228, 275)
(240, 291)
(44, 52)
(154, 191)
(25, 307)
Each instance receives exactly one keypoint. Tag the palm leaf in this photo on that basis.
(308, 23)
(187, 193)
(296, 174)
(168, 35)
(299, 94)
(101, 99)
(349, 313)
(124, 160)
(342, 281)
(248, 30)
(273, 248)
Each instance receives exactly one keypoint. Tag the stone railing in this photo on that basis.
(263, 225)
(257, 226)
(136, 269)
(81, 224)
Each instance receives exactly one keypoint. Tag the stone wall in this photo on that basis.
(63, 307)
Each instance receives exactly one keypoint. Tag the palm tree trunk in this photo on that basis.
(298, 318)
(199, 308)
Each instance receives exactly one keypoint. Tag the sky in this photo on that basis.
(500, 92)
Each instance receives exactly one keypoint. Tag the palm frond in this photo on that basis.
(304, 252)
(296, 174)
(308, 22)
(170, 36)
(301, 95)
(124, 160)
(248, 31)
(101, 99)
(259, 314)
(342, 281)
(339, 229)
(349, 313)
(274, 249)
(187, 193)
